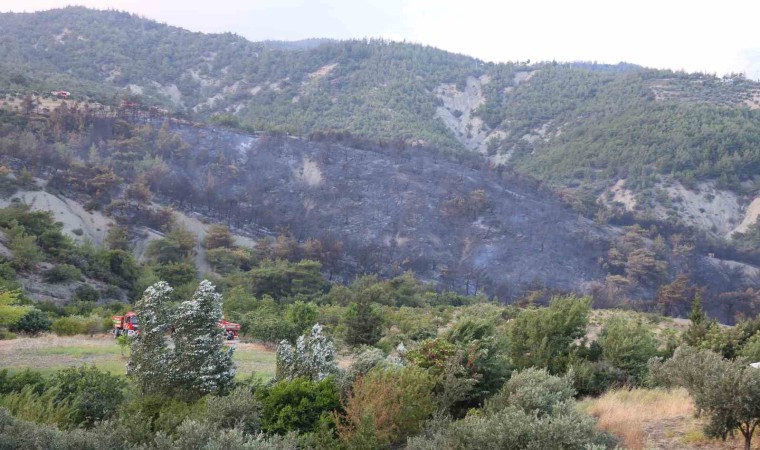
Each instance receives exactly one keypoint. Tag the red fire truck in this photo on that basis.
(128, 325)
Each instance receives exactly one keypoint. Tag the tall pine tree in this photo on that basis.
(363, 324)
(150, 356)
(700, 324)
(202, 361)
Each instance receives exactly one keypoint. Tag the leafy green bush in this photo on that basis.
(79, 308)
(17, 434)
(362, 363)
(534, 391)
(6, 335)
(130, 432)
(15, 383)
(515, 429)
(192, 435)
(298, 405)
(73, 325)
(751, 349)
(51, 308)
(25, 251)
(281, 279)
(269, 327)
(11, 309)
(386, 406)
(593, 378)
(534, 410)
(239, 409)
(303, 315)
(177, 273)
(225, 260)
(628, 345)
(363, 324)
(483, 355)
(8, 276)
(33, 322)
(93, 394)
(86, 293)
(159, 412)
(62, 274)
(546, 337)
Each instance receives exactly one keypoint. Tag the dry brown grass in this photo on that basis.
(628, 413)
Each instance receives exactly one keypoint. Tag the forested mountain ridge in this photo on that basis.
(574, 124)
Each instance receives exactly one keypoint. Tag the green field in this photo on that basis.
(49, 353)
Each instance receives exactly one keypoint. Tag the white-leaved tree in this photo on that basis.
(313, 357)
(150, 356)
(202, 362)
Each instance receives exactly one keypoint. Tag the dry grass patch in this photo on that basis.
(628, 413)
(654, 419)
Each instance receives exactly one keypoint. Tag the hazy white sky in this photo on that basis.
(697, 35)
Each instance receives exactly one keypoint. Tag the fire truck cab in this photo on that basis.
(126, 325)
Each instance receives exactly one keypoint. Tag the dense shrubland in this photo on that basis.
(503, 376)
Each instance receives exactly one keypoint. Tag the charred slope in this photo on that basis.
(465, 225)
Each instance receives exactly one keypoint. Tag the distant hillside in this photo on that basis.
(461, 170)
(577, 125)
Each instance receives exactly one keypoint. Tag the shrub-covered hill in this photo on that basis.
(355, 207)
(576, 125)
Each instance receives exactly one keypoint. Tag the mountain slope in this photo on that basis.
(570, 124)
(413, 157)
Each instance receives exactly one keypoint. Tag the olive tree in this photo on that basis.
(313, 357)
(728, 391)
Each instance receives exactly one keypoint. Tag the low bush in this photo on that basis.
(73, 325)
(62, 274)
(386, 406)
(240, 409)
(33, 322)
(157, 413)
(298, 405)
(86, 293)
(751, 349)
(595, 378)
(269, 328)
(535, 391)
(628, 345)
(534, 410)
(93, 394)
(15, 383)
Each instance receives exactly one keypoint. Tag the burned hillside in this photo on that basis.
(461, 224)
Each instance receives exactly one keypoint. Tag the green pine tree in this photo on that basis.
(363, 324)
(700, 324)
